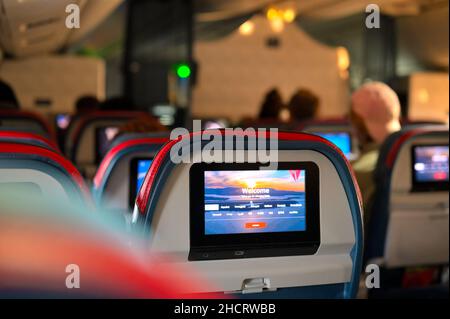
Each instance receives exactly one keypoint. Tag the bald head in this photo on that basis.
(378, 106)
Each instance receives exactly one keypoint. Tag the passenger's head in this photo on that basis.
(375, 112)
(118, 103)
(272, 105)
(86, 104)
(8, 99)
(304, 105)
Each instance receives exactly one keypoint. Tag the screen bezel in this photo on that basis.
(418, 186)
(350, 137)
(309, 237)
(133, 178)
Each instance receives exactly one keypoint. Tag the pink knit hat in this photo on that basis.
(378, 105)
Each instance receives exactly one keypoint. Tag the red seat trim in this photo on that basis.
(25, 135)
(6, 147)
(392, 155)
(106, 162)
(30, 115)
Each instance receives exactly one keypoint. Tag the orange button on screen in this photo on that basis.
(256, 225)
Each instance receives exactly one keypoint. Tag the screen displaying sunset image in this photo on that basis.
(254, 201)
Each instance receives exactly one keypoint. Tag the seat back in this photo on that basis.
(326, 266)
(27, 169)
(88, 139)
(115, 182)
(408, 223)
(25, 121)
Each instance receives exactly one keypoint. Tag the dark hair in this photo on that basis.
(8, 98)
(87, 103)
(303, 105)
(272, 105)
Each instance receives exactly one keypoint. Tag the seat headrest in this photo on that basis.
(84, 121)
(30, 116)
(125, 145)
(313, 141)
(134, 136)
(391, 147)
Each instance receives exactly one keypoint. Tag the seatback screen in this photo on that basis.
(246, 210)
(259, 201)
(138, 170)
(342, 140)
(430, 166)
(141, 170)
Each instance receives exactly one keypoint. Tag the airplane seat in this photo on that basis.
(338, 131)
(408, 224)
(225, 220)
(89, 138)
(28, 138)
(27, 169)
(115, 184)
(25, 121)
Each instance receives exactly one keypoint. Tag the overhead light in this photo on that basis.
(343, 59)
(272, 14)
(247, 28)
(289, 15)
(343, 62)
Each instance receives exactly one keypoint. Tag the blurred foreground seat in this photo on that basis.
(29, 170)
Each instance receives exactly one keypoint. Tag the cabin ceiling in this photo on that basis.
(216, 10)
(31, 27)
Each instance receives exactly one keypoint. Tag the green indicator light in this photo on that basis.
(183, 71)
